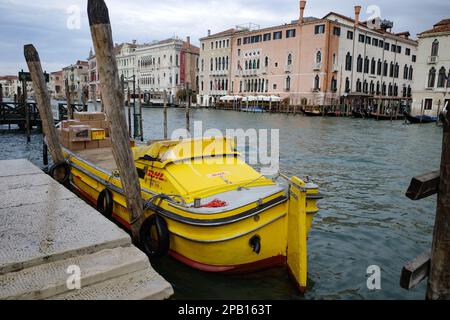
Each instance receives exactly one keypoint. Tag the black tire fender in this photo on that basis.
(162, 246)
(63, 165)
(105, 203)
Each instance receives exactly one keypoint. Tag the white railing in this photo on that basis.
(335, 68)
(317, 66)
(288, 68)
(433, 59)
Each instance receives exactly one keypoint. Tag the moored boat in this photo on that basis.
(420, 118)
(314, 113)
(204, 206)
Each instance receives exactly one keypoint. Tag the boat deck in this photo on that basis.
(102, 158)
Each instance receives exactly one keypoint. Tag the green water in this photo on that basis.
(364, 167)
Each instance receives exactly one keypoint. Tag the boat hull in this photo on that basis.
(220, 244)
(419, 119)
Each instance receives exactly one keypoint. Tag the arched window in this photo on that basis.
(289, 59)
(410, 76)
(383, 89)
(378, 88)
(431, 77)
(348, 62)
(246, 65)
(223, 63)
(266, 62)
(372, 87)
(319, 57)
(366, 65)
(288, 83)
(227, 64)
(365, 87)
(441, 78)
(258, 64)
(390, 90)
(212, 64)
(379, 67)
(405, 72)
(317, 82)
(435, 48)
(396, 70)
(373, 66)
(395, 90)
(347, 85)
(358, 86)
(391, 70)
(333, 84)
(359, 64)
(385, 68)
(409, 91)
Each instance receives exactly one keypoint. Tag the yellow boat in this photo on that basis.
(205, 206)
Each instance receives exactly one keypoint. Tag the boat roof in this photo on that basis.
(171, 151)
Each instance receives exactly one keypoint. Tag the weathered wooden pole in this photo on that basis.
(141, 131)
(113, 99)
(69, 102)
(43, 102)
(27, 111)
(188, 106)
(439, 280)
(129, 112)
(165, 115)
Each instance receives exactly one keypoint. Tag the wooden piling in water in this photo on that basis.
(165, 116)
(27, 110)
(439, 280)
(68, 99)
(140, 115)
(43, 102)
(188, 106)
(112, 96)
(1, 93)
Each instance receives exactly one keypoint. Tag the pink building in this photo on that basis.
(320, 61)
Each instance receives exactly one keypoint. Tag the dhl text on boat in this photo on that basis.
(205, 206)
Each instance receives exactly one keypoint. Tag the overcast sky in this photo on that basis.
(45, 22)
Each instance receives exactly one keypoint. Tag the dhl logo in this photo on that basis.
(155, 175)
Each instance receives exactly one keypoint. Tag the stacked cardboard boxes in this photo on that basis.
(88, 130)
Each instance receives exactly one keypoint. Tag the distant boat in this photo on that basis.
(420, 119)
(381, 116)
(312, 113)
(359, 114)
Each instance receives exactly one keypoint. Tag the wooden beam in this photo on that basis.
(415, 271)
(68, 99)
(439, 281)
(112, 98)
(424, 186)
(43, 102)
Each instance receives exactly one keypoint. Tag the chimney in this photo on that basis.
(188, 40)
(209, 33)
(357, 12)
(302, 11)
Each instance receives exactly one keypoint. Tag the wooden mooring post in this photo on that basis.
(68, 99)
(188, 107)
(165, 116)
(1, 93)
(26, 109)
(43, 103)
(435, 266)
(113, 99)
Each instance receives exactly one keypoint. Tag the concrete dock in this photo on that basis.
(45, 229)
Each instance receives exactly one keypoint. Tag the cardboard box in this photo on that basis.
(98, 134)
(67, 123)
(80, 133)
(92, 145)
(81, 116)
(77, 145)
(97, 116)
(94, 124)
(105, 143)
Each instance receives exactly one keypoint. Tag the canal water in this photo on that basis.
(362, 166)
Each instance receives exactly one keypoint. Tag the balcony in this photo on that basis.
(335, 68)
(288, 68)
(264, 70)
(218, 73)
(433, 59)
(317, 66)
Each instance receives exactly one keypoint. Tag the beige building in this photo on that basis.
(56, 85)
(215, 67)
(78, 77)
(431, 90)
(9, 86)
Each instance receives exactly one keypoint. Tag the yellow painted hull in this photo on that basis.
(215, 242)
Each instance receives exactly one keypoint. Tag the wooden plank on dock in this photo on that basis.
(424, 186)
(415, 271)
